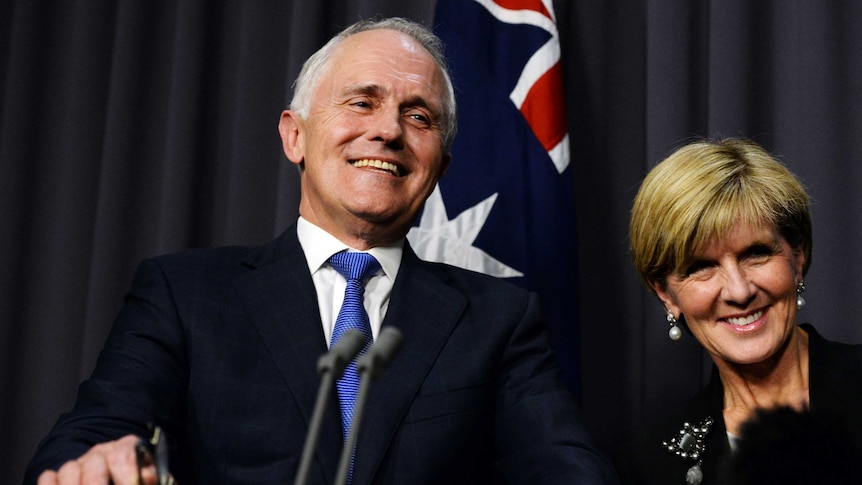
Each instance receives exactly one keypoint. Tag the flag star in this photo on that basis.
(441, 240)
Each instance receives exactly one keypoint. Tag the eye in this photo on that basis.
(421, 118)
(759, 252)
(418, 117)
(359, 101)
(696, 268)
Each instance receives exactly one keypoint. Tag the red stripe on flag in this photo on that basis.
(535, 5)
(545, 108)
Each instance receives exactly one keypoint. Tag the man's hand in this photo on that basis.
(112, 462)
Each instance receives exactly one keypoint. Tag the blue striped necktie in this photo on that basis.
(356, 268)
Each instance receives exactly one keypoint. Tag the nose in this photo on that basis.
(386, 127)
(738, 288)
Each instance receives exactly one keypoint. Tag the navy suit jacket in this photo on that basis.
(219, 347)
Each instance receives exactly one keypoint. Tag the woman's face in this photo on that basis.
(738, 295)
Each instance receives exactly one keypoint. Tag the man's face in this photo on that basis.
(372, 142)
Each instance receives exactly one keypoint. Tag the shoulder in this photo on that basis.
(488, 294)
(835, 384)
(225, 259)
(829, 353)
(472, 279)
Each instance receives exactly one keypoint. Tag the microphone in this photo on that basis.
(369, 366)
(344, 350)
(330, 367)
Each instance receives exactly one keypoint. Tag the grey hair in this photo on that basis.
(316, 65)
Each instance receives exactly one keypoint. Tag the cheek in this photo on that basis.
(433, 167)
(333, 129)
(425, 144)
(696, 301)
(778, 280)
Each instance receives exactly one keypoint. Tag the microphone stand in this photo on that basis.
(369, 366)
(330, 366)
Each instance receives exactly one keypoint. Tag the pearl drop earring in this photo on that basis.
(800, 302)
(674, 333)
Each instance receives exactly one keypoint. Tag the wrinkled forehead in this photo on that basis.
(387, 58)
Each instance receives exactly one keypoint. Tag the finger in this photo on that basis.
(69, 473)
(93, 468)
(149, 476)
(114, 460)
(122, 461)
(48, 477)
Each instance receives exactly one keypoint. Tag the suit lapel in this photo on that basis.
(280, 298)
(426, 310)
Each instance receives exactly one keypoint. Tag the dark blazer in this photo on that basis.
(835, 393)
(220, 347)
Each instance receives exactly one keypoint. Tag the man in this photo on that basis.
(219, 347)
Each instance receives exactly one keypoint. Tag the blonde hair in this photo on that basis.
(701, 191)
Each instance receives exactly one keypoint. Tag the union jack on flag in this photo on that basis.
(506, 205)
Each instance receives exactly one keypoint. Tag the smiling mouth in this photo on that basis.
(378, 164)
(741, 321)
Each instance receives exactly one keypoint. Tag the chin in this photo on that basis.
(753, 356)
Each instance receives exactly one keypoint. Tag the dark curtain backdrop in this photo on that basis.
(131, 128)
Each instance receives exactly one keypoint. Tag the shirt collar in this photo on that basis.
(319, 245)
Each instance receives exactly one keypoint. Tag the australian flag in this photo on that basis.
(506, 205)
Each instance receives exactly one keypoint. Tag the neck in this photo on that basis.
(357, 233)
(781, 380)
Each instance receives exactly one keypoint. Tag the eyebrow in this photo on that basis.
(357, 88)
(420, 102)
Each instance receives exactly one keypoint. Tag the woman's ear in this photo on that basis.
(666, 297)
(799, 259)
(292, 136)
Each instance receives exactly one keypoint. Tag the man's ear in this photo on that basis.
(445, 164)
(292, 136)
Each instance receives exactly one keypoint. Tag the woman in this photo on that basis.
(721, 233)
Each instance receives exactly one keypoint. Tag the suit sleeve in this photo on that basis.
(140, 377)
(541, 435)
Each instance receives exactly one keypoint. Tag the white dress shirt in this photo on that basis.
(319, 246)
